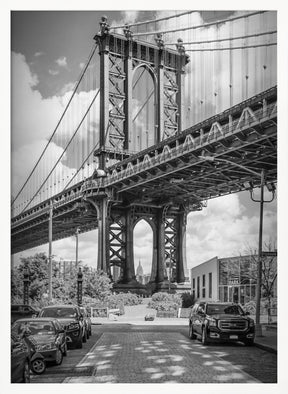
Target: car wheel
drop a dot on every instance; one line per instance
(38, 366)
(204, 337)
(79, 344)
(249, 342)
(59, 357)
(26, 373)
(191, 333)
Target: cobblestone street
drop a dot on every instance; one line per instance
(149, 358)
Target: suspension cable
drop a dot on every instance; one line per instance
(152, 20)
(199, 26)
(62, 154)
(230, 48)
(224, 39)
(56, 128)
(77, 172)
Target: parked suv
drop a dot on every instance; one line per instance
(221, 321)
(71, 319)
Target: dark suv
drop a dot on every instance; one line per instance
(71, 319)
(221, 321)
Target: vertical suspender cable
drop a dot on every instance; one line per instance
(231, 67)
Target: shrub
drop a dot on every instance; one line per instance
(165, 302)
(187, 300)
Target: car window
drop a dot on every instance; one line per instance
(59, 312)
(216, 309)
(34, 327)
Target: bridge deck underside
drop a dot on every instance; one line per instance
(181, 178)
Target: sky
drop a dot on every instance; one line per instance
(48, 50)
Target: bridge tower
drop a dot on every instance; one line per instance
(120, 57)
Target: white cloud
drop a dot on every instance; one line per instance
(61, 61)
(38, 54)
(53, 72)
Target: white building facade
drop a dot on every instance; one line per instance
(232, 279)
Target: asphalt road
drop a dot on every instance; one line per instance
(126, 353)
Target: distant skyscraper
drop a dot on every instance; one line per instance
(139, 273)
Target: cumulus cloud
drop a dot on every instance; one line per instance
(224, 229)
(62, 62)
(38, 54)
(34, 118)
(53, 72)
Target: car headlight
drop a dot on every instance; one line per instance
(45, 346)
(212, 323)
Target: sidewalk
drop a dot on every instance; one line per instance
(268, 341)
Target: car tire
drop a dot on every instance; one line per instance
(79, 344)
(191, 333)
(38, 366)
(204, 337)
(59, 357)
(249, 342)
(26, 372)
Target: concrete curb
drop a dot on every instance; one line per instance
(267, 348)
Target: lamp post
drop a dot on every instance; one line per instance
(258, 328)
(76, 257)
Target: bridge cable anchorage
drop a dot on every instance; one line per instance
(230, 48)
(64, 151)
(60, 120)
(151, 21)
(225, 39)
(199, 26)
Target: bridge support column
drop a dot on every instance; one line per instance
(128, 269)
(103, 247)
(181, 246)
(160, 236)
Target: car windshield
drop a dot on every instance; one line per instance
(217, 309)
(59, 312)
(33, 328)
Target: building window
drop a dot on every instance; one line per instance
(210, 285)
(203, 292)
(198, 286)
(193, 283)
(203, 280)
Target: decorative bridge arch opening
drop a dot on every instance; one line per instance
(143, 236)
(143, 109)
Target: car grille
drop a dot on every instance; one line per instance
(233, 324)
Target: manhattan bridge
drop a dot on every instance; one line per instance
(166, 114)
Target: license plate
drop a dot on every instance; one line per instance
(233, 336)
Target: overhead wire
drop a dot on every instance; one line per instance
(224, 39)
(165, 18)
(199, 26)
(228, 49)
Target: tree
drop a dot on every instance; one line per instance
(96, 284)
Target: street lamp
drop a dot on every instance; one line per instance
(249, 186)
